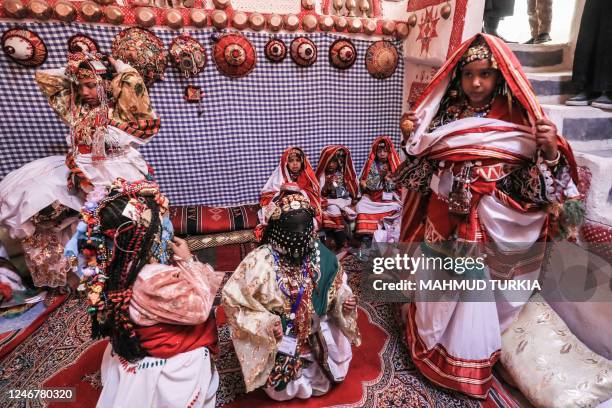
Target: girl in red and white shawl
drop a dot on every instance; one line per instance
(338, 183)
(479, 121)
(294, 170)
(380, 202)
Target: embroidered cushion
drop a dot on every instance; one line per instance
(550, 366)
(201, 219)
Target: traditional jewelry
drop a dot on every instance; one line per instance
(555, 161)
(480, 112)
(130, 225)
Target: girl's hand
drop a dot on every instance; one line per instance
(349, 304)
(181, 249)
(113, 62)
(277, 329)
(411, 116)
(73, 281)
(546, 138)
(408, 123)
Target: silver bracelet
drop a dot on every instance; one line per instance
(553, 163)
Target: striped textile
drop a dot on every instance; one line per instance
(200, 219)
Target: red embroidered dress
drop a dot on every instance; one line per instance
(374, 207)
(337, 208)
(456, 343)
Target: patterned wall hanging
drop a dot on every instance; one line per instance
(24, 47)
(234, 55)
(188, 55)
(82, 43)
(303, 51)
(144, 51)
(381, 59)
(222, 150)
(342, 54)
(275, 50)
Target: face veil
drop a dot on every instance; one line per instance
(292, 234)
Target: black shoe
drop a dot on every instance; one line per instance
(542, 38)
(531, 41)
(603, 102)
(582, 99)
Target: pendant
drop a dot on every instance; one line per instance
(193, 93)
(459, 200)
(460, 197)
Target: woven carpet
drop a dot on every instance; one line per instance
(60, 353)
(9, 340)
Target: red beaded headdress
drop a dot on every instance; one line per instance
(95, 66)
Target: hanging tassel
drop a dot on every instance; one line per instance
(96, 328)
(98, 144)
(574, 212)
(98, 150)
(200, 107)
(508, 94)
(573, 217)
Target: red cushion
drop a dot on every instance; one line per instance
(200, 219)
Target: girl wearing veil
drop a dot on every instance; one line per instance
(484, 165)
(291, 312)
(380, 206)
(339, 191)
(295, 173)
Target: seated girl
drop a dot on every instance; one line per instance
(294, 169)
(157, 316)
(339, 190)
(292, 315)
(379, 209)
(109, 113)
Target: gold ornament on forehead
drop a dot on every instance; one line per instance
(295, 153)
(291, 202)
(478, 52)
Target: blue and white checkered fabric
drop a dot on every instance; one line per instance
(225, 155)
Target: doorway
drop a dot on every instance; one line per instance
(515, 28)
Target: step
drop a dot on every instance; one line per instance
(542, 57)
(553, 87)
(580, 123)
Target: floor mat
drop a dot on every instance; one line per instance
(61, 353)
(9, 340)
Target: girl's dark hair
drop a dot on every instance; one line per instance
(130, 253)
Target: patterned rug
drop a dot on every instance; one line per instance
(9, 340)
(61, 353)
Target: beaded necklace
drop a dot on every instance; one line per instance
(291, 285)
(459, 110)
(472, 112)
(297, 287)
